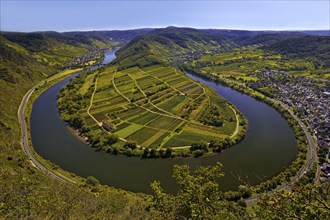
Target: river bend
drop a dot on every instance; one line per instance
(268, 148)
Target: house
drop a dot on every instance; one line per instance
(326, 93)
(108, 126)
(288, 101)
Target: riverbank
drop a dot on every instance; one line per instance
(25, 111)
(26, 106)
(306, 156)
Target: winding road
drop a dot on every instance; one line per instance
(312, 147)
(91, 103)
(25, 140)
(310, 159)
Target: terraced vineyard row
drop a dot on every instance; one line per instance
(157, 107)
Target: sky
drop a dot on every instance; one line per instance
(63, 15)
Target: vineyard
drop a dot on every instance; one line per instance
(156, 107)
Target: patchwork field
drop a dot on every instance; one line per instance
(244, 64)
(156, 107)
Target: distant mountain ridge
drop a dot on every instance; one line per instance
(317, 32)
(243, 37)
(123, 36)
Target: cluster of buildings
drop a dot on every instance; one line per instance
(190, 55)
(89, 56)
(309, 98)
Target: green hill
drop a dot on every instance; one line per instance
(168, 44)
(312, 47)
(244, 38)
(25, 59)
(53, 48)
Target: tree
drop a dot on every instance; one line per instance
(153, 153)
(305, 201)
(92, 181)
(199, 146)
(168, 152)
(111, 139)
(145, 153)
(76, 121)
(198, 196)
(245, 191)
(232, 196)
(216, 145)
(115, 151)
(130, 144)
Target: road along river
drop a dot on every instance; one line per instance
(268, 148)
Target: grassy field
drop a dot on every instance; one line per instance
(154, 107)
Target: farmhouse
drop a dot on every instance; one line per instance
(108, 126)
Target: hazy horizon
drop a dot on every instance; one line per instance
(64, 16)
(140, 28)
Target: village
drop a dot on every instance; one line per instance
(86, 59)
(310, 100)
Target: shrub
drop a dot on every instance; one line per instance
(245, 191)
(197, 153)
(241, 202)
(232, 196)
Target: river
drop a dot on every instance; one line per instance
(267, 149)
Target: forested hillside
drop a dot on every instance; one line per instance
(244, 38)
(316, 48)
(168, 44)
(25, 59)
